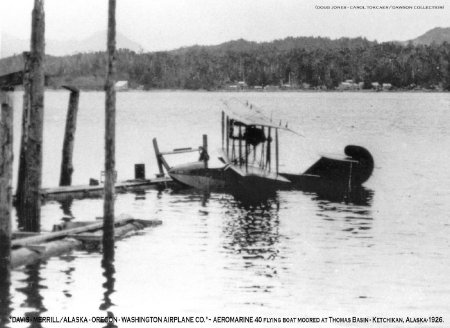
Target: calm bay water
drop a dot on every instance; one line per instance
(294, 254)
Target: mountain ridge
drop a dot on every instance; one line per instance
(11, 45)
(436, 35)
(97, 42)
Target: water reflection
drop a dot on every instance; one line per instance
(352, 208)
(251, 233)
(108, 285)
(108, 272)
(68, 273)
(139, 194)
(5, 296)
(32, 292)
(359, 196)
(66, 206)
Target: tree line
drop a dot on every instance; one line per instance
(305, 62)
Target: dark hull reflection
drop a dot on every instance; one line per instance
(252, 227)
(354, 209)
(251, 235)
(356, 195)
(360, 196)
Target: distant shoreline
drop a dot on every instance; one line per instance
(262, 91)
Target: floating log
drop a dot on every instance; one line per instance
(28, 250)
(123, 219)
(119, 231)
(28, 255)
(23, 234)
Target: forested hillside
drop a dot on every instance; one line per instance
(307, 61)
(437, 35)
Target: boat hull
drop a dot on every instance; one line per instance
(205, 179)
(328, 174)
(225, 178)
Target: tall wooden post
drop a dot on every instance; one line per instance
(110, 132)
(69, 137)
(223, 129)
(240, 145)
(205, 149)
(6, 162)
(227, 135)
(277, 154)
(31, 204)
(269, 150)
(25, 127)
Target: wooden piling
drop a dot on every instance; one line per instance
(69, 137)
(277, 152)
(240, 145)
(205, 149)
(139, 171)
(31, 204)
(23, 141)
(223, 129)
(227, 135)
(110, 131)
(6, 162)
(269, 149)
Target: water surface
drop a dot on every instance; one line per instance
(295, 254)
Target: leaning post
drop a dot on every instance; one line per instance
(31, 205)
(69, 137)
(110, 132)
(6, 162)
(158, 159)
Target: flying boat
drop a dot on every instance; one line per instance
(250, 159)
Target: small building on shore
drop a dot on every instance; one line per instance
(287, 86)
(242, 85)
(387, 86)
(271, 88)
(121, 85)
(236, 86)
(376, 85)
(348, 85)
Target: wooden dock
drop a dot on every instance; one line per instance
(88, 191)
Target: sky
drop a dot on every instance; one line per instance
(169, 24)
